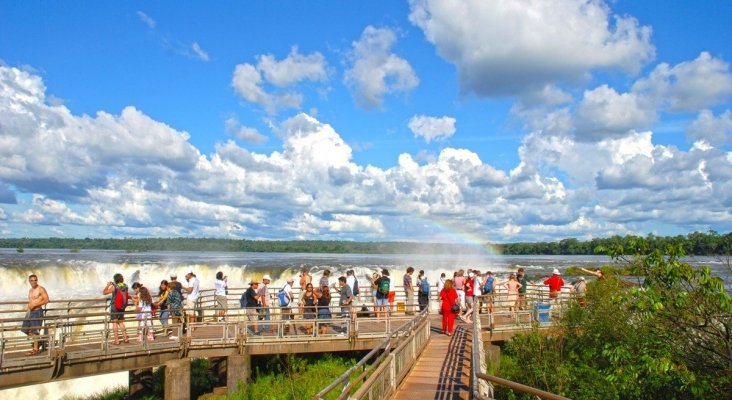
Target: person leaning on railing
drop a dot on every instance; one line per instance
(285, 298)
(251, 302)
(307, 305)
(37, 299)
(555, 283)
(117, 317)
(163, 294)
(220, 291)
(323, 296)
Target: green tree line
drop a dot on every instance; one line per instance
(696, 243)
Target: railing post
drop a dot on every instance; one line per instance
(392, 372)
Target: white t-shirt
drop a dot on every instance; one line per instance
(351, 281)
(220, 287)
(193, 283)
(477, 286)
(440, 284)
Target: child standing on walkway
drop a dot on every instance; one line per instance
(143, 305)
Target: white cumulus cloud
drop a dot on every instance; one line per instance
(233, 127)
(604, 113)
(432, 128)
(688, 86)
(375, 71)
(503, 48)
(249, 80)
(714, 130)
(294, 68)
(129, 175)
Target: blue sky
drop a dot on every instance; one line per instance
(383, 120)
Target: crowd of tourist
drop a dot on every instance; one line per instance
(176, 303)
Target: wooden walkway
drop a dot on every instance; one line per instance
(442, 372)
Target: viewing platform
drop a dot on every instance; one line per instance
(78, 343)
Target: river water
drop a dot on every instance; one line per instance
(67, 275)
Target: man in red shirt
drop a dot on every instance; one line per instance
(555, 283)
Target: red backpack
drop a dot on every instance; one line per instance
(120, 297)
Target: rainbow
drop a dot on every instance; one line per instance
(448, 232)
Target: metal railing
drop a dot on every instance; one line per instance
(479, 389)
(88, 336)
(390, 362)
(482, 384)
(518, 387)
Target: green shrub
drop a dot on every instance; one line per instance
(668, 339)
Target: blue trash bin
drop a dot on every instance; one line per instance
(541, 312)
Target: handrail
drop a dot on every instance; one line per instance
(521, 388)
(385, 347)
(481, 383)
(478, 388)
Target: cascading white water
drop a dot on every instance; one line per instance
(68, 275)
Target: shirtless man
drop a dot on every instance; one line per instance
(305, 278)
(37, 298)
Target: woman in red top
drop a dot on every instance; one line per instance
(469, 293)
(448, 297)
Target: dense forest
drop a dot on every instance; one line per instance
(710, 243)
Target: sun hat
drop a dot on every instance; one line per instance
(267, 278)
(556, 272)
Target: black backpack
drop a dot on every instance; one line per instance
(355, 287)
(243, 300)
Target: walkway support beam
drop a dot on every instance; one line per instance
(178, 379)
(238, 369)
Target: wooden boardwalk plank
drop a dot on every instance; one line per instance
(442, 372)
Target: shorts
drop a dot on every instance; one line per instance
(252, 314)
(117, 316)
(381, 302)
(469, 300)
(324, 313)
(286, 313)
(221, 303)
(190, 307)
(32, 325)
(308, 314)
(392, 296)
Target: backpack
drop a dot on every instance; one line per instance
(120, 297)
(424, 286)
(356, 292)
(283, 297)
(488, 287)
(243, 300)
(384, 286)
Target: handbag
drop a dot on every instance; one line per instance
(455, 308)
